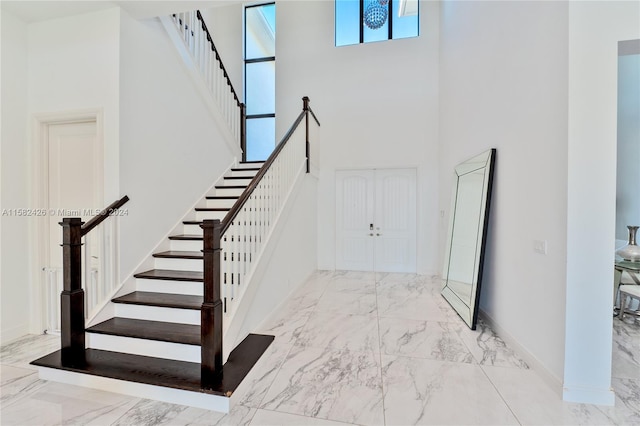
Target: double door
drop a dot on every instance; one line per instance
(376, 220)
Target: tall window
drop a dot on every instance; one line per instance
(363, 21)
(260, 79)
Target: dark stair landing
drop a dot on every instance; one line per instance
(165, 372)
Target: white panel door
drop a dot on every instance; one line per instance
(74, 178)
(376, 220)
(395, 221)
(354, 220)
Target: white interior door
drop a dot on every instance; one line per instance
(376, 220)
(395, 221)
(74, 178)
(354, 220)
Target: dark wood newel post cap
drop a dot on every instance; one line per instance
(305, 103)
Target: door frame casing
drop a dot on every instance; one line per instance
(40, 195)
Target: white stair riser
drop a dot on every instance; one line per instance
(210, 215)
(192, 230)
(177, 264)
(144, 347)
(173, 287)
(229, 191)
(231, 182)
(201, 400)
(222, 203)
(248, 165)
(157, 313)
(244, 173)
(186, 245)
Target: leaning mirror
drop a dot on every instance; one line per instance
(467, 235)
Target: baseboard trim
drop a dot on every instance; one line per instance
(589, 395)
(9, 334)
(553, 381)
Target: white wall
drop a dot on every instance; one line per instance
(378, 105)
(628, 170)
(595, 28)
(503, 84)
(290, 258)
(74, 65)
(14, 192)
(171, 150)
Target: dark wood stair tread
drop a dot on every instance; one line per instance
(231, 186)
(186, 237)
(212, 209)
(238, 177)
(222, 197)
(164, 372)
(164, 300)
(168, 274)
(151, 330)
(252, 162)
(246, 169)
(174, 254)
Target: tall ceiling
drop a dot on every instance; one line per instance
(42, 10)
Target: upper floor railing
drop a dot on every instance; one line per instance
(206, 56)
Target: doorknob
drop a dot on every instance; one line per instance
(371, 227)
(378, 235)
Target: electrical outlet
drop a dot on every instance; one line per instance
(540, 246)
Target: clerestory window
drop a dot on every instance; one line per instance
(364, 21)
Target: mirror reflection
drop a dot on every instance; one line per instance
(467, 235)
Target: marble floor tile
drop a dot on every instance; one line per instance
(488, 348)
(286, 326)
(21, 352)
(348, 303)
(338, 331)
(423, 391)
(275, 418)
(335, 385)
(254, 387)
(56, 403)
(534, 403)
(422, 339)
(350, 285)
(18, 383)
(627, 400)
(238, 416)
(411, 301)
(626, 350)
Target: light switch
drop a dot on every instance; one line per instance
(540, 246)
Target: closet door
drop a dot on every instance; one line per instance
(376, 220)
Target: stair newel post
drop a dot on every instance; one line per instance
(305, 108)
(243, 131)
(72, 296)
(211, 312)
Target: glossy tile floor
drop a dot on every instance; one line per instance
(350, 348)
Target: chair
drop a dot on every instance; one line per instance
(628, 292)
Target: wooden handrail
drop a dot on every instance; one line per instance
(100, 217)
(219, 59)
(231, 215)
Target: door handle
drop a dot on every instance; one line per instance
(377, 235)
(371, 235)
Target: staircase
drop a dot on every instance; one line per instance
(154, 339)
(164, 339)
